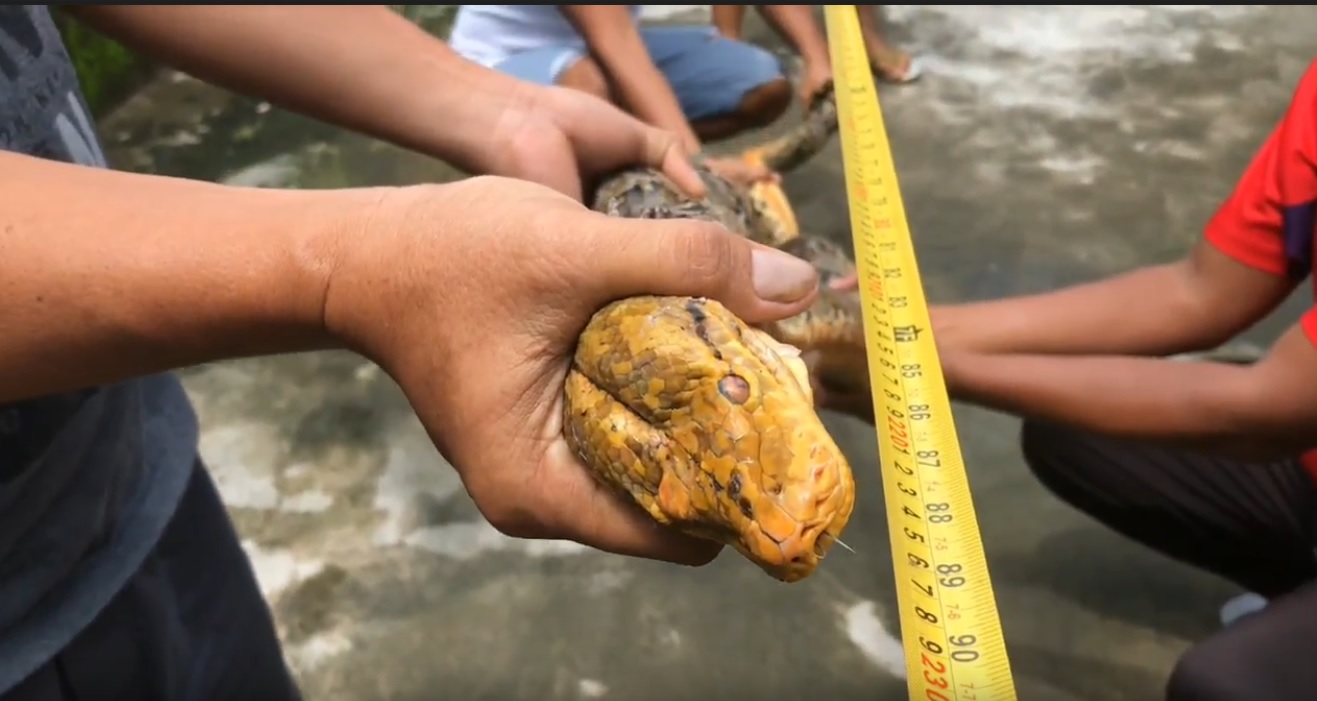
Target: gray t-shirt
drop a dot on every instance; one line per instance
(89, 479)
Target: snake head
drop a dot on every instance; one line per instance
(792, 502)
(709, 425)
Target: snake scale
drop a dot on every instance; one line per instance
(708, 423)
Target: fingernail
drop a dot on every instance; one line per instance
(781, 277)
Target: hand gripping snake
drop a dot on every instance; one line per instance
(704, 421)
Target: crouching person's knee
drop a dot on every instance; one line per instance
(1055, 454)
(765, 103)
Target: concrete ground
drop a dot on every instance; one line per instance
(1045, 145)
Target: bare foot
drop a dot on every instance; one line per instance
(894, 66)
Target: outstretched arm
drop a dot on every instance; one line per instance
(1262, 411)
(1187, 305)
(367, 68)
(1042, 356)
(363, 67)
(107, 275)
(1237, 273)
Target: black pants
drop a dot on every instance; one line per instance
(1250, 523)
(191, 625)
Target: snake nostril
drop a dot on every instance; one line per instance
(818, 473)
(823, 542)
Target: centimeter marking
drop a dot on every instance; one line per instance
(951, 631)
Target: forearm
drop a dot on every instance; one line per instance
(387, 78)
(644, 92)
(639, 85)
(1191, 304)
(797, 26)
(1139, 313)
(108, 275)
(1206, 406)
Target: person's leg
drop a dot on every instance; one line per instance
(888, 62)
(558, 65)
(1265, 657)
(191, 625)
(1250, 523)
(728, 19)
(724, 86)
(227, 623)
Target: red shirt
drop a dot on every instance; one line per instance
(1267, 223)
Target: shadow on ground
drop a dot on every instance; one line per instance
(1046, 145)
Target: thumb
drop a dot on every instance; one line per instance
(663, 151)
(850, 283)
(687, 257)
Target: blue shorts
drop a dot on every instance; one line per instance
(709, 74)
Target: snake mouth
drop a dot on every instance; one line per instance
(794, 556)
(796, 561)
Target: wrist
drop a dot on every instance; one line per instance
(385, 258)
(816, 60)
(307, 232)
(469, 113)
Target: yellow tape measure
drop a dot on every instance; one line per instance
(952, 634)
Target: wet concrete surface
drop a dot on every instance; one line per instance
(1045, 145)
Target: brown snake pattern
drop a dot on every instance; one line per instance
(705, 422)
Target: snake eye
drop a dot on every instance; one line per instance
(734, 388)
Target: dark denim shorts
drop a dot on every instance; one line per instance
(191, 625)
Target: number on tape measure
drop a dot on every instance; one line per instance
(949, 622)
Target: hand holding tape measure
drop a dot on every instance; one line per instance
(950, 628)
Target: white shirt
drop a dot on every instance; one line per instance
(489, 34)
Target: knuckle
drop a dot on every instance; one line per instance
(658, 144)
(703, 254)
